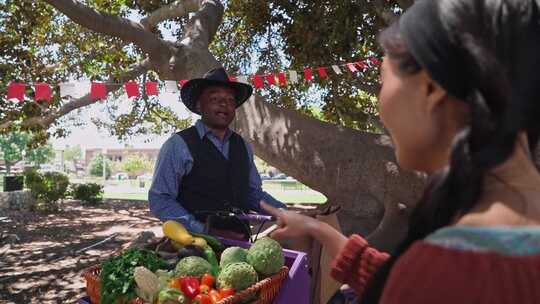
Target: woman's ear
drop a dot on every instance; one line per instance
(435, 94)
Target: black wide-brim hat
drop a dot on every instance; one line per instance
(192, 89)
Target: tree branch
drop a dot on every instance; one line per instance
(383, 12)
(203, 26)
(176, 9)
(122, 28)
(48, 119)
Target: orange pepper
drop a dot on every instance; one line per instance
(175, 283)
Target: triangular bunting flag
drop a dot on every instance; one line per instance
(132, 89)
(258, 81)
(293, 76)
(151, 88)
(243, 79)
(171, 86)
(307, 74)
(322, 72)
(362, 65)
(337, 70)
(351, 67)
(16, 91)
(375, 61)
(98, 90)
(43, 91)
(282, 79)
(271, 79)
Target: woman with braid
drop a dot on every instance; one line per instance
(460, 97)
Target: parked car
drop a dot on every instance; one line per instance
(279, 176)
(265, 176)
(120, 176)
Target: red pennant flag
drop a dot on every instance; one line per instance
(232, 78)
(258, 81)
(183, 82)
(375, 61)
(43, 91)
(132, 89)
(351, 67)
(98, 90)
(151, 88)
(271, 79)
(362, 65)
(307, 74)
(322, 72)
(16, 91)
(282, 79)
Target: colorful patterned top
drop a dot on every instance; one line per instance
(453, 265)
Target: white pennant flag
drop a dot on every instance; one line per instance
(336, 70)
(242, 79)
(76, 89)
(171, 86)
(293, 76)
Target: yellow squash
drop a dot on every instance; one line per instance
(176, 232)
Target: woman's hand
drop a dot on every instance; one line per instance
(291, 225)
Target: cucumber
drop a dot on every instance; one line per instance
(212, 241)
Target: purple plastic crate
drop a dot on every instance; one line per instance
(295, 288)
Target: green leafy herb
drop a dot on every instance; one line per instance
(117, 283)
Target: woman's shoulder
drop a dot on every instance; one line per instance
(469, 265)
(503, 240)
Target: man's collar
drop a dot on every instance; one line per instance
(203, 130)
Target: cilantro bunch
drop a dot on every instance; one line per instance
(117, 283)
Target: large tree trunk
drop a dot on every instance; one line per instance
(354, 169)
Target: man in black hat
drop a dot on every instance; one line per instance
(208, 168)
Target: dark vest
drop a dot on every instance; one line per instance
(214, 183)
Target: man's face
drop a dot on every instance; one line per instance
(217, 106)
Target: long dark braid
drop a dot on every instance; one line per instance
(488, 140)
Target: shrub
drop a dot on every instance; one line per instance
(47, 188)
(91, 193)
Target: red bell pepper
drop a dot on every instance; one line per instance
(190, 286)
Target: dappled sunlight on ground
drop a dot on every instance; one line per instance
(45, 265)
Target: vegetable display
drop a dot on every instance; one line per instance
(197, 275)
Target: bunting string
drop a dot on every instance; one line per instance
(98, 89)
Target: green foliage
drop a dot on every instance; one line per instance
(14, 144)
(117, 274)
(96, 166)
(48, 188)
(91, 193)
(135, 165)
(73, 153)
(39, 43)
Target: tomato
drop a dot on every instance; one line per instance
(202, 299)
(214, 294)
(175, 283)
(204, 289)
(225, 292)
(208, 279)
